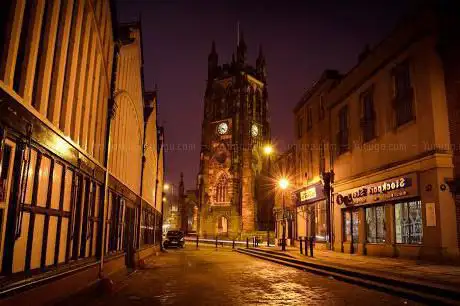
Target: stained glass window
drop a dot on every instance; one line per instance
(375, 224)
(409, 222)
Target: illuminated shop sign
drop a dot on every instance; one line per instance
(308, 194)
(311, 194)
(395, 188)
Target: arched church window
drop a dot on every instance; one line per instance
(221, 189)
(251, 102)
(258, 106)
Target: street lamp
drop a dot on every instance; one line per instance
(166, 187)
(268, 149)
(283, 184)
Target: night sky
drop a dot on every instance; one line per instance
(299, 39)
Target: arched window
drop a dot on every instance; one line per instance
(251, 102)
(221, 189)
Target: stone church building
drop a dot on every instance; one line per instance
(235, 127)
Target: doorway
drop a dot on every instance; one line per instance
(351, 228)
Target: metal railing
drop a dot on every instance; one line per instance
(249, 242)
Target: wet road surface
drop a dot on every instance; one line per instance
(222, 277)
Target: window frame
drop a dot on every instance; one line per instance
(403, 100)
(343, 113)
(407, 201)
(368, 117)
(378, 240)
(299, 126)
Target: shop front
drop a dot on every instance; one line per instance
(311, 215)
(381, 218)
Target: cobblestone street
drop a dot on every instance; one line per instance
(223, 277)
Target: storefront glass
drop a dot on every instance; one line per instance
(408, 222)
(320, 221)
(375, 224)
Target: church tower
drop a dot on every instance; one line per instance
(235, 127)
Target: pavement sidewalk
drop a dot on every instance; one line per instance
(447, 275)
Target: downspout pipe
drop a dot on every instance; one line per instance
(110, 115)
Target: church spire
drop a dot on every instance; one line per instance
(241, 49)
(213, 60)
(260, 64)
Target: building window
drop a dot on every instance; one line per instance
(342, 136)
(221, 189)
(322, 159)
(368, 118)
(320, 221)
(375, 224)
(322, 110)
(403, 94)
(408, 221)
(299, 127)
(309, 118)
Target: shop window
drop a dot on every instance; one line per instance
(117, 214)
(148, 226)
(320, 221)
(408, 222)
(375, 224)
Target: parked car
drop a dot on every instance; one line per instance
(174, 239)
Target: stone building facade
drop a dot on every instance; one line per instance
(284, 210)
(235, 126)
(392, 143)
(71, 85)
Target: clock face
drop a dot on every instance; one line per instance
(254, 130)
(222, 128)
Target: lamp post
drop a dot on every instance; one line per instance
(283, 184)
(268, 151)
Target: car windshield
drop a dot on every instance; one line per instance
(174, 233)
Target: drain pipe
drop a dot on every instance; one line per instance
(110, 115)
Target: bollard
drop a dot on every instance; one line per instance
(216, 242)
(306, 246)
(301, 247)
(268, 238)
(233, 244)
(197, 241)
(311, 246)
(247, 242)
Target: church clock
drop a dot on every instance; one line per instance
(254, 130)
(222, 128)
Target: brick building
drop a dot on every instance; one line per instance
(73, 113)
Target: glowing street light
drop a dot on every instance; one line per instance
(268, 149)
(164, 199)
(283, 183)
(166, 186)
